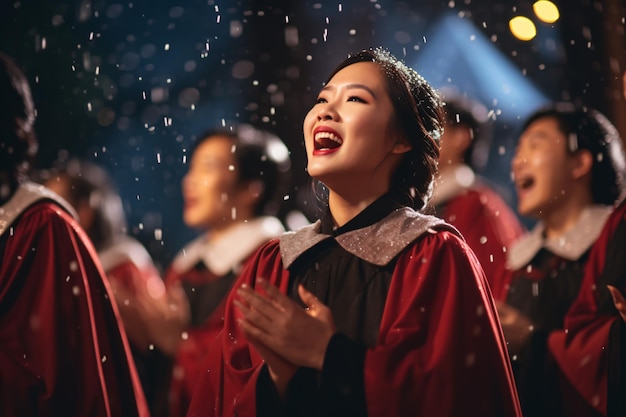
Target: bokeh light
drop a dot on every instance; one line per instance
(522, 28)
(129, 85)
(546, 11)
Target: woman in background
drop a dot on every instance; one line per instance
(235, 183)
(468, 201)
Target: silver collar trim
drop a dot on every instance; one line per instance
(26, 195)
(231, 248)
(571, 245)
(378, 243)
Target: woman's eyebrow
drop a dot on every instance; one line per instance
(352, 86)
(539, 135)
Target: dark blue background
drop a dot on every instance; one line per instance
(113, 81)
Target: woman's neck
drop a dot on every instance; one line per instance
(344, 208)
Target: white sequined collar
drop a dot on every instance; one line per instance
(230, 249)
(378, 243)
(571, 245)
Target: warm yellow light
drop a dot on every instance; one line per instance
(522, 28)
(546, 11)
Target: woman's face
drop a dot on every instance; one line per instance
(210, 185)
(542, 168)
(348, 133)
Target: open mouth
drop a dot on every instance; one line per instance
(325, 141)
(525, 183)
(189, 202)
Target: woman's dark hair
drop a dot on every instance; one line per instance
(90, 184)
(18, 143)
(588, 129)
(418, 117)
(259, 156)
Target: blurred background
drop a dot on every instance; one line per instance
(127, 84)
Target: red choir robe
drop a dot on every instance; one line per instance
(207, 271)
(545, 279)
(128, 265)
(439, 350)
(488, 224)
(587, 351)
(63, 350)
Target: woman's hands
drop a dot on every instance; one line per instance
(618, 298)
(285, 335)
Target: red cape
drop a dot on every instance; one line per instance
(63, 351)
(489, 227)
(132, 277)
(440, 350)
(189, 356)
(581, 350)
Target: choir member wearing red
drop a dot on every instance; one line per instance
(468, 201)
(235, 183)
(63, 350)
(590, 349)
(568, 173)
(376, 309)
(126, 262)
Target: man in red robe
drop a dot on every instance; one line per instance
(590, 350)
